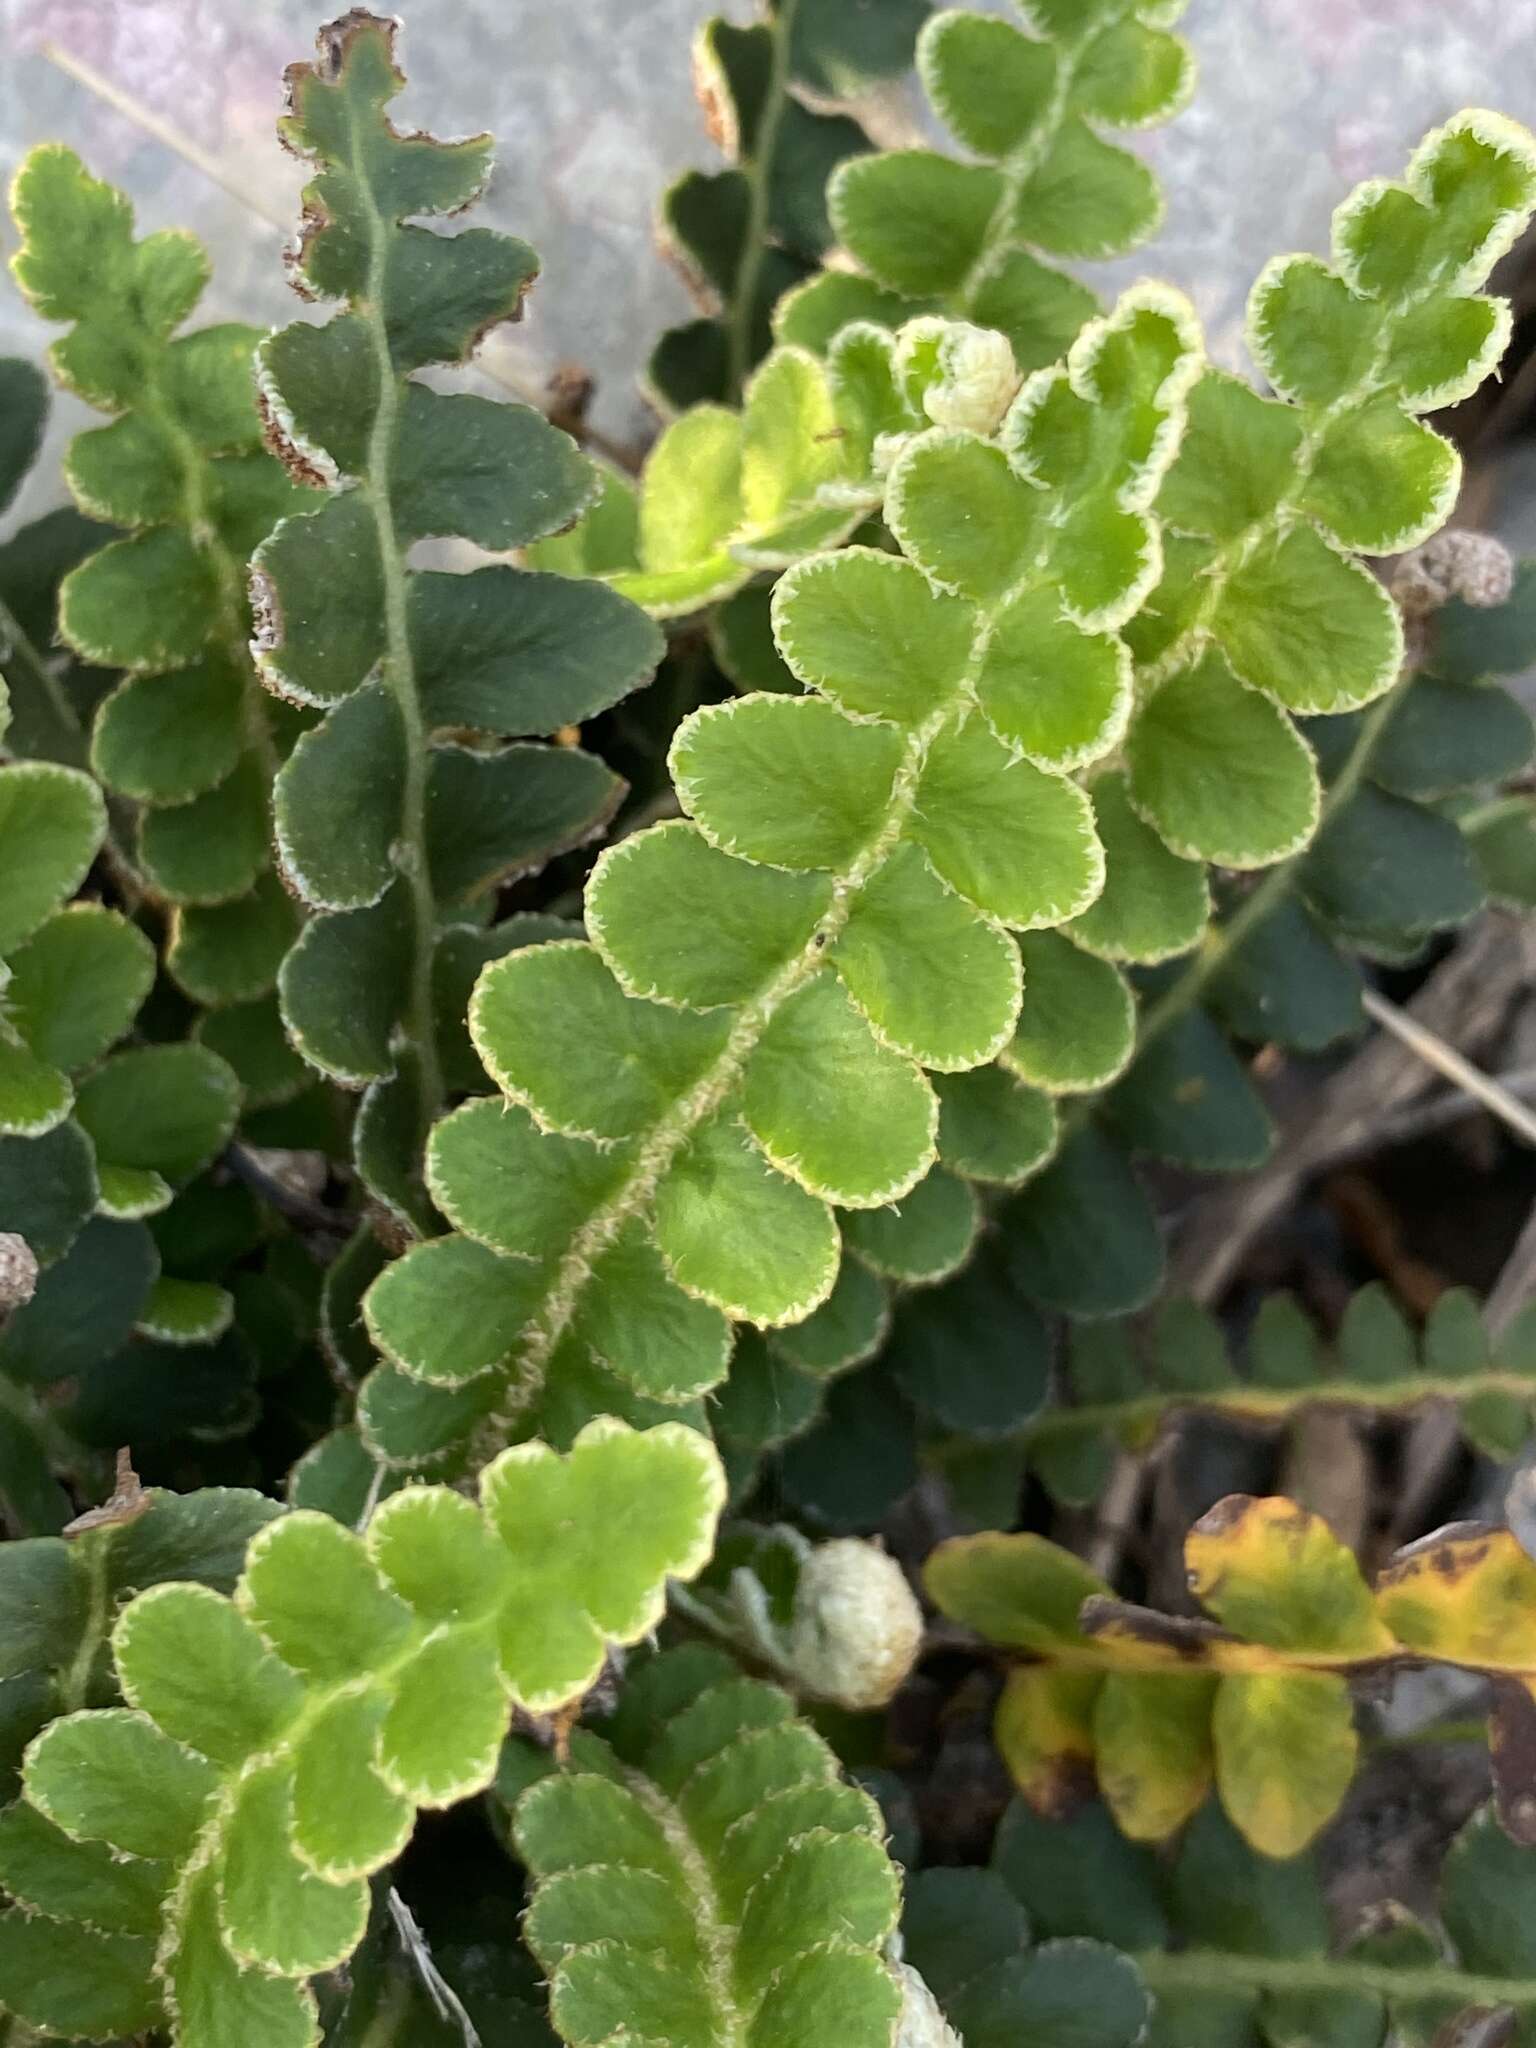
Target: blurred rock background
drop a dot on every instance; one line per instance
(593, 113)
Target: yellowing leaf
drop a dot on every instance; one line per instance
(1469, 1597)
(1044, 1730)
(1152, 1749)
(1285, 1749)
(1275, 1573)
(1018, 1590)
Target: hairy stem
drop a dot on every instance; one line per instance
(666, 1141)
(714, 1928)
(1020, 166)
(1215, 1970)
(741, 1631)
(759, 172)
(659, 1150)
(399, 665)
(1249, 1403)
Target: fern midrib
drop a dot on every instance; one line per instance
(319, 1695)
(399, 665)
(715, 1933)
(1020, 165)
(1252, 1403)
(1217, 1657)
(759, 175)
(1202, 1969)
(75, 1681)
(658, 1153)
(666, 1141)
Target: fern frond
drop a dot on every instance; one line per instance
(402, 806)
(744, 236)
(704, 1875)
(276, 1746)
(767, 980)
(968, 238)
(182, 472)
(1221, 1931)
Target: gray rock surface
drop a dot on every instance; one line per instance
(593, 111)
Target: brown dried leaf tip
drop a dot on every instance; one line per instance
(127, 1502)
